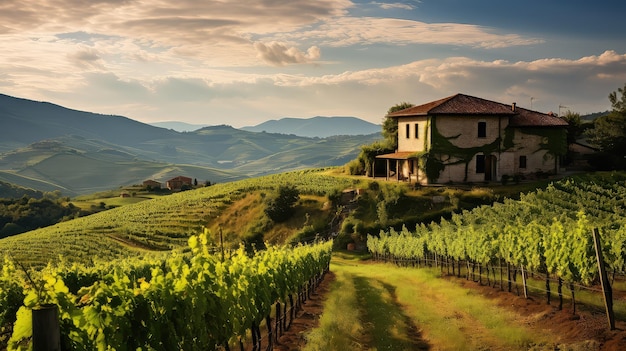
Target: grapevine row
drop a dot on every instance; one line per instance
(182, 302)
(548, 230)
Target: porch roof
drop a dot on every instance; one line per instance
(404, 155)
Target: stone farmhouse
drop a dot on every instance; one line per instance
(462, 138)
(177, 183)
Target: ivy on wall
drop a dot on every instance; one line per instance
(432, 162)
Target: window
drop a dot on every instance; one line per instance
(417, 131)
(408, 130)
(480, 163)
(522, 162)
(482, 129)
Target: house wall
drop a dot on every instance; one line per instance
(462, 132)
(466, 128)
(537, 159)
(413, 143)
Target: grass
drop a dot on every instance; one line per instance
(374, 306)
(340, 327)
(166, 222)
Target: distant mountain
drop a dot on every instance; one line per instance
(317, 127)
(592, 116)
(48, 147)
(179, 126)
(27, 121)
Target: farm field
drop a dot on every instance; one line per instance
(540, 237)
(156, 225)
(378, 306)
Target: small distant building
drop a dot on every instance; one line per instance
(151, 184)
(177, 183)
(124, 194)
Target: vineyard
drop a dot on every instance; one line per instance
(136, 277)
(547, 232)
(199, 301)
(155, 225)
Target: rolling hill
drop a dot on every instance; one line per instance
(48, 147)
(317, 127)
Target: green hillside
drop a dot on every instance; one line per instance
(47, 147)
(76, 165)
(95, 151)
(8, 191)
(236, 209)
(159, 224)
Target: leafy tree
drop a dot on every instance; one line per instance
(609, 132)
(363, 163)
(281, 207)
(24, 214)
(575, 128)
(390, 125)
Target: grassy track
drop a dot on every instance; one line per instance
(382, 307)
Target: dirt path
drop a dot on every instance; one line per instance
(307, 318)
(382, 306)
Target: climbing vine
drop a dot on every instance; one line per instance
(432, 162)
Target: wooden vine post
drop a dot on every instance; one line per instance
(604, 279)
(524, 281)
(46, 329)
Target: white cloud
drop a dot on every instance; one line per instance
(204, 60)
(345, 31)
(87, 58)
(281, 54)
(581, 84)
(395, 5)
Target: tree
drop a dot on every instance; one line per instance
(574, 130)
(363, 163)
(281, 207)
(390, 125)
(609, 135)
(609, 132)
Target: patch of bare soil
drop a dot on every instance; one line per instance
(587, 330)
(306, 319)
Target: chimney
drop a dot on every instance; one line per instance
(513, 106)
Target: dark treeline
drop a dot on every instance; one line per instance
(27, 213)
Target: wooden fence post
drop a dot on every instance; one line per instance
(46, 329)
(604, 279)
(524, 282)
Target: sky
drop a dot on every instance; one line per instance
(243, 62)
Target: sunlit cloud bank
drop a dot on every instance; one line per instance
(242, 62)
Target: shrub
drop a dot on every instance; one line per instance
(280, 207)
(347, 227)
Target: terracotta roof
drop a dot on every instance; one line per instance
(528, 118)
(456, 104)
(461, 104)
(404, 155)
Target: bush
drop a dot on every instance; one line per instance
(347, 227)
(307, 234)
(355, 167)
(281, 207)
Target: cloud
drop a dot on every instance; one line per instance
(280, 54)
(211, 31)
(346, 31)
(396, 5)
(87, 58)
(217, 97)
(582, 84)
